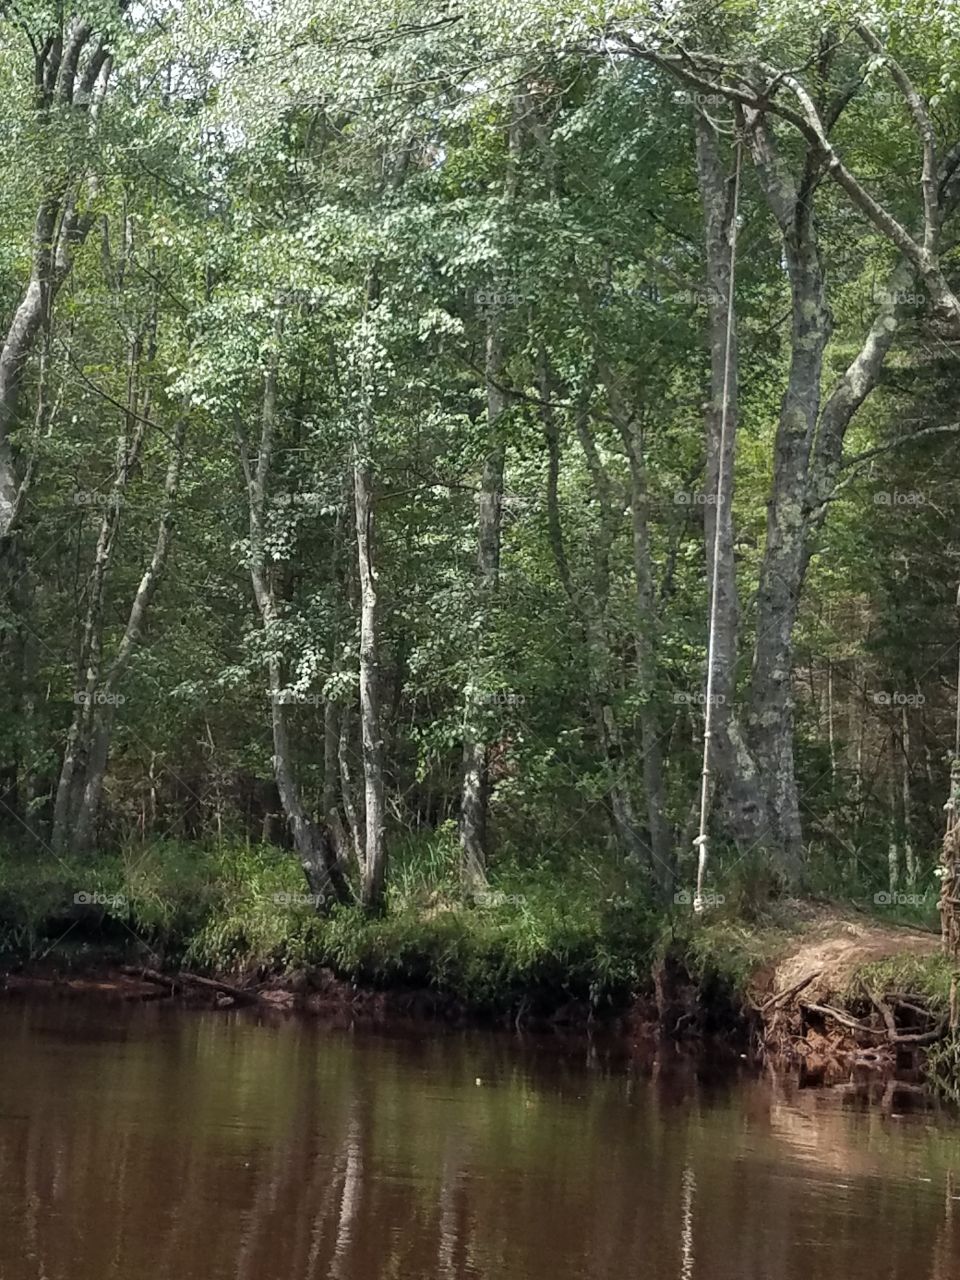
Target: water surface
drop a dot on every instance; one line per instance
(140, 1143)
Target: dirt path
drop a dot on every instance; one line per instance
(833, 946)
(810, 1013)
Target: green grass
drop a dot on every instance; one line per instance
(556, 929)
(926, 977)
(942, 1069)
(538, 941)
(726, 948)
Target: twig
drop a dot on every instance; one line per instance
(886, 1013)
(923, 1037)
(844, 1019)
(781, 997)
(903, 1003)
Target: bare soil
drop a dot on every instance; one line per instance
(809, 1016)
(833, 946)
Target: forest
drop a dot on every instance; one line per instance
(425, 425)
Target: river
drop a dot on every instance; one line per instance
(147, 1142)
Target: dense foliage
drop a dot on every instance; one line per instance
(361, 431)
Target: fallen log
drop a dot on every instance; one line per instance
(242, 995)
(902, 1003)
(924, 1037)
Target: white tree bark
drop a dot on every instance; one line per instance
(474, 793)
(375, 853)
(312, 842)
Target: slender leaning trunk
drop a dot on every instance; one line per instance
(662, 849)
(105, 710)
(474, 794)
(662, 853)
(78, 749)
(330, 802)
(744, 804)
(807, 458)
(375, 854)
(590, 608)
(770, 718)
(71, 74)
(345, 753)
(311, 840)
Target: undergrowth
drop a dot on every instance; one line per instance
(925, 979)
(241, 910)
(551, 930)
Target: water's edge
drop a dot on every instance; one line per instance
(679, 1021)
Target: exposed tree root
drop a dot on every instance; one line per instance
(834, 1027)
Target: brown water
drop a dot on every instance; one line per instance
(145, 1143)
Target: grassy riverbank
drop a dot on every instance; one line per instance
(241, 911)
(574, 944)
(582, 942)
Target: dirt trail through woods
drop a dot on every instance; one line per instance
(810, 1017)
(833, 946)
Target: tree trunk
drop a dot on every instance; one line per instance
(807, 460)
(79, 743)
(896, 815)
(350, 808)
(662, 854)
(770, 717)
(594, 616)
(375, 855)
(590, 610)
(330, 801)
(474, 794)
(67, 72)
(744, 801)
(335, 712)
(311, 842)
(906, 799)
(132, 636)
